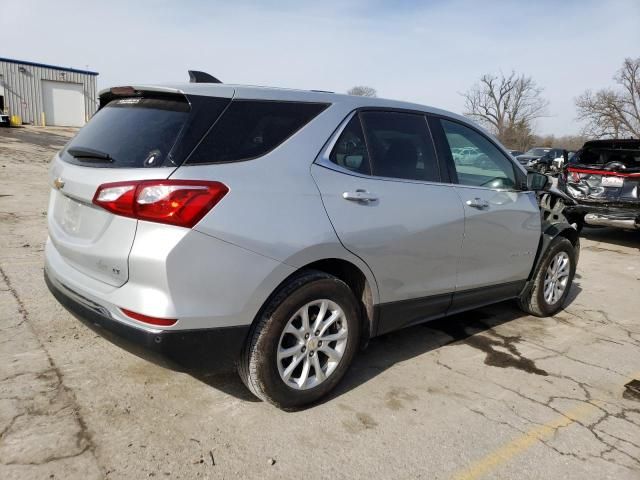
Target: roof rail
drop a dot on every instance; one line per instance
(195, 76)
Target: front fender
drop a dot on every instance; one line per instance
(554, 224)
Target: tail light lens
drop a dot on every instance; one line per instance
(175, 202)
(573, 175)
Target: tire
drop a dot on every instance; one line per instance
(263, 371)
(533, 301)
(574, 218)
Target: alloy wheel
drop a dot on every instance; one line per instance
(556, 278)
(312, 344)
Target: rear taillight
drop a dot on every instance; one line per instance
(176, 202)
(573, 175)
(163, 322)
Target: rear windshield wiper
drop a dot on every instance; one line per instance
(90, 154)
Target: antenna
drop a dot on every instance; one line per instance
(195, 76)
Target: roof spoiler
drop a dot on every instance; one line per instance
(196, 76)
(109, 94)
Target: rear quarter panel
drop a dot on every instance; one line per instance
(273, 206)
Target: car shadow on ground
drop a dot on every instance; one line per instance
(393, 348)
(616, 236)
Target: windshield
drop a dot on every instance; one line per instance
(538, 152)
(132, 132)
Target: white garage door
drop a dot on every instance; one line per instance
(63, 103)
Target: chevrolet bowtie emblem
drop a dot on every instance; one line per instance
(58, 183)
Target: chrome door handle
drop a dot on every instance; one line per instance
(478, 203)
(360, 196)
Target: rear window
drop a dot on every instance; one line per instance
(252, 128)
(130, 133)
(626, 158)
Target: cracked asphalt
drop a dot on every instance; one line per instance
(491, 393)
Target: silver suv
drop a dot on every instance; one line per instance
(278, 230)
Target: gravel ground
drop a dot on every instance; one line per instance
(491, 393)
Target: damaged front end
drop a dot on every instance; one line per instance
(556, 221)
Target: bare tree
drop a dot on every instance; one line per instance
(362, 91)
(613, 112)
(507, 105)
(519, 136)
(570, 142)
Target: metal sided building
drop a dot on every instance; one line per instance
(40, 94)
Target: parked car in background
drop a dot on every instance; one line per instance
(552, 161)
(515, 153)
(278, 230)
(465, 155)
(530, 158)
(5, 120)
(604, 179)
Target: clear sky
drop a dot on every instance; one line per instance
(426, 52)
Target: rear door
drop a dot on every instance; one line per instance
(380, 184)
(137, 137)
(502, 222)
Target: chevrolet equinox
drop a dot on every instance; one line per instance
(276, 231)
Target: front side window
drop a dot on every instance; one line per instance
(251, 128)
(350, 151)
(400, 146)
(484, 165)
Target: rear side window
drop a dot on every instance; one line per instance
(400, 146)
(252, 128)
(350, 151)
(129, 133)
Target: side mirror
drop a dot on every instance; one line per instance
(537, 181)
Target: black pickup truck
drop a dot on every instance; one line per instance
(604, 179)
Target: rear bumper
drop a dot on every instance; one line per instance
(616, 221)
(609, 216)
(210, 350)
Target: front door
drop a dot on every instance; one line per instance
(502, 222)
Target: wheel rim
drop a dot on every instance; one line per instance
(312, 344)
(556, 278)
